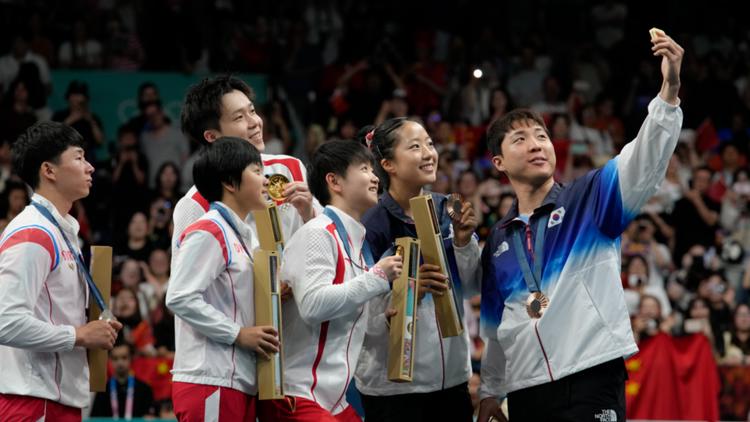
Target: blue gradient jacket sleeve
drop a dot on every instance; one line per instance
(627, 181)
(491, 311)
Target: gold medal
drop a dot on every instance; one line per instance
(536, 304)
(276, 185)
(455, 204)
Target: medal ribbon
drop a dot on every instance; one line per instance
(128, 400)
(533, 279)
(228, 218)
(366, 252)
(79, 261)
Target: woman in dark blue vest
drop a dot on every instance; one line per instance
(407, 162)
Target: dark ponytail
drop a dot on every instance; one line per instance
(381, 140)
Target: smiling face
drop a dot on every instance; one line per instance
(360, 186)
(527, 154)
(239, 119)
(251, 193)
(415, 158)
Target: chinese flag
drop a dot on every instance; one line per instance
(673, 378)
(155, 372)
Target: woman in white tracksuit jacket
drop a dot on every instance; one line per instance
(211, 291)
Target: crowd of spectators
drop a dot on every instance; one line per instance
(335, 66)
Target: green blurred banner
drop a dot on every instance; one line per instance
(113, 94)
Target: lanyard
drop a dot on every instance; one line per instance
(366, 252)
(533, 279)
(106, 313)
(128, 401)
(228, 218)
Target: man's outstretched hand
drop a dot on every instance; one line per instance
(671, 61)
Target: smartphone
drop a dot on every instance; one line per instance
(693, 326)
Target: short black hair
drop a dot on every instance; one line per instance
(121, 341)
(334, 157)
(44, 141)
(201, 110)
(223, 161)
(500, 127)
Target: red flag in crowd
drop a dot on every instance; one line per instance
(706, 136)
(155, 373)
(673, 378)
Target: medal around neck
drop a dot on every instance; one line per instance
(536, 304)
(276, 185)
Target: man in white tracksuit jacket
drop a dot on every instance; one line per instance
(223, 106)
(43, 298)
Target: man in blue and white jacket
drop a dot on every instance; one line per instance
(553, 312)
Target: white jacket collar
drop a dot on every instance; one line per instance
(68, 224)
(238, 222)
(354, 229)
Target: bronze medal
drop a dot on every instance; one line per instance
(276, 185)
(536, 304)
(399, 251)
(455, 204)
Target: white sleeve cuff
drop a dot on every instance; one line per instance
(70, 342)
(234, 331)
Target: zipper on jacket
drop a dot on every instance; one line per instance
(544, 352)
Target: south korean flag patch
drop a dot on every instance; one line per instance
(556, 217)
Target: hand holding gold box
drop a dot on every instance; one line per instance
(268, 312)
(447, 306)
(101, 273)
(403, 327)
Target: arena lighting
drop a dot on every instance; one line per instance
(477, 73)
